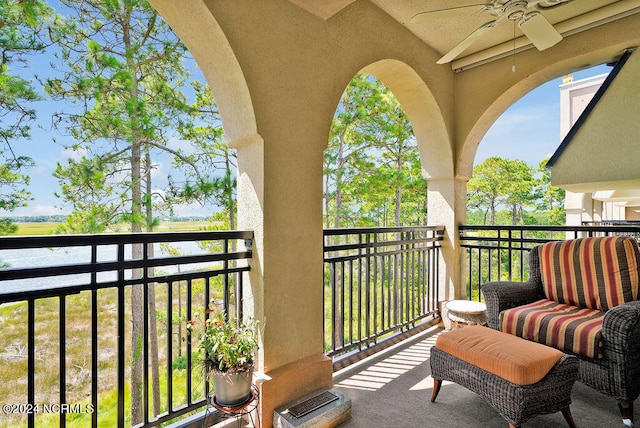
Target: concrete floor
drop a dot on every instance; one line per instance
(393, 389)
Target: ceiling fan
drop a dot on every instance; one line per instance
(526, 14)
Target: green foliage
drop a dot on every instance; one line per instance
(229, 345)
(93, 220)
(551, 198)
(7, 226)
(179, 363)
(213, 180)
(13, 182)
(123, 66)
(21, 25)
(513, 184)
(372, 167)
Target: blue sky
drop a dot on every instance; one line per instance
(47, 147)
(529, 130)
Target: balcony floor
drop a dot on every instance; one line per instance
(393, 389)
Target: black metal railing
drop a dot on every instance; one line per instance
(616, 223)
(67, 319)
(502, 252)
(377, 282)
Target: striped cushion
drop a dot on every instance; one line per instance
(567, 328)
(594, 273)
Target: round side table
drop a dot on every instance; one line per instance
(466, 312)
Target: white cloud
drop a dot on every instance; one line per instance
(158, 171)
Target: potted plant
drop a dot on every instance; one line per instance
(229, 348)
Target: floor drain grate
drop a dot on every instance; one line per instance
(312, 404)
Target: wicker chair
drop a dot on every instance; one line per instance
(616, 368)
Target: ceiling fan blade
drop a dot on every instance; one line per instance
(468, 41)
(540, 31)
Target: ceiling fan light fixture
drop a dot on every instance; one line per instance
(539, 31)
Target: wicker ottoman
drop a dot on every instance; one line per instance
(518, 378)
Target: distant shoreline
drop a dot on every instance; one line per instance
(28, 228)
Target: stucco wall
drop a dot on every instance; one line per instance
(603, 153)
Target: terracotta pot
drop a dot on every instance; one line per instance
(232, 389)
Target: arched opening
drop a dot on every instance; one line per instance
(510, 182)
(128, 105)
(372, 172)
(375, 181)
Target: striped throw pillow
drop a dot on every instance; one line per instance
(594, 273)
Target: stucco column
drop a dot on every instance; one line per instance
(447, 206)
(250, 199)
(286, 290)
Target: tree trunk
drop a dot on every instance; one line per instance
(339, 170)
(137, 291)
(151, 297)
(492, 213)
(137, 300)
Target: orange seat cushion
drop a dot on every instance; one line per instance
(516, 360)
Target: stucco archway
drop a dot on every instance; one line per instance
(200, 32)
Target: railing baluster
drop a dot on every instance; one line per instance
(374, 316)
(489, 255)
(31, 358)
(170, 345)
(334, 309)
(121, 339)
(341, 309)
(62, 328)
(206, 300)
(94, 356)
(145, 335)
(189, 313)
(351, 319)
(385, 296)
(361, 260)
(94, 339)
(225, 279)
(239, 294)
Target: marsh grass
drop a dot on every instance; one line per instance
(77, 341)
(47, 228)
